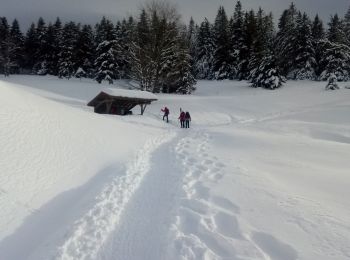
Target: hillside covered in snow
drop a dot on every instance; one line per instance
(259, 175)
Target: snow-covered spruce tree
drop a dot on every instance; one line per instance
(335, 53)
(191, 38)
(204, 52)
(10, 47)
(106, 62)
(67, 56)
(304, 50)
(332, 83)
(263, 41)
(346, 26)
(179, 77)
(85, 48)
(250, 36)
(221, 66)
(5, 46)
(53, 42)
(163, 50)
(264, 34)
(124, 33)
(335, 60)
(107, 52)
(317, 29)
(41, 53)
(141, 64)
(167, 59)
(17, 41)
(318, 35)
(267, 74)
(156, 51)
(285, 40)
(336, 30)
(238, 46)
(30, 46)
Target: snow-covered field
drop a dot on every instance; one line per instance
(259, 175)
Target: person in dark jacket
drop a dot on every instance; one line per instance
(187, 119)
(166, 114)
(182, 118)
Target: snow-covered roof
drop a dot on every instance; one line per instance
(129, 93)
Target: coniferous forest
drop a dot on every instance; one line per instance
(164, 55)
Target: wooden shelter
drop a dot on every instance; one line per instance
(121, 101)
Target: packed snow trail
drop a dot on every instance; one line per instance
(92, 230)
(172, 215)
(143, 231)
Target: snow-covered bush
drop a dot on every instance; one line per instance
(266, 74)
(332, 83)
(80, 73)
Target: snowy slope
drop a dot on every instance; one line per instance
(259, 175)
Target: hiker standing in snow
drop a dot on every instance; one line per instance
(182, 118)
(187, 119)
(166, 114)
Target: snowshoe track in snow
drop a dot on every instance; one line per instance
(91, 232)
(207, 226)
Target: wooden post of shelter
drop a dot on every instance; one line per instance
(143, 108)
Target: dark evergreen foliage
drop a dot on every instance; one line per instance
(53, 41)
(304, 50)
(335, 32)
(204, 50)
(30, 46)
(267, 74)
(6, 47)
(238, 46)
(317, 30)
(17, 42)
(43, 49)
(335, 60)
(163, 55)
(85, 53)
(221, 66)
(107, 52)
(67, 63)
(286, 40)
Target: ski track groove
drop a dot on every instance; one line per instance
(91, 231)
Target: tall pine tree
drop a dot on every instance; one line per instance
(107, 51)
(67, 64)
(238, 46)
(221, 39)
(204, 52)
(286, 40)
(305, 61)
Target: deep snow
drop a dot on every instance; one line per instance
(259, 175)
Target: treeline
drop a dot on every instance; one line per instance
(164, 55)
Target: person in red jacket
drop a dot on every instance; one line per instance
(182, 118)
(166, 114)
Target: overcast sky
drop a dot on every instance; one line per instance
(91, 11)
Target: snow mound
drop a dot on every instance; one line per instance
(48, 147)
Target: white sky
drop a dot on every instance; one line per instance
(90, 11)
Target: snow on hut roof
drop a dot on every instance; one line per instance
(129, 93)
